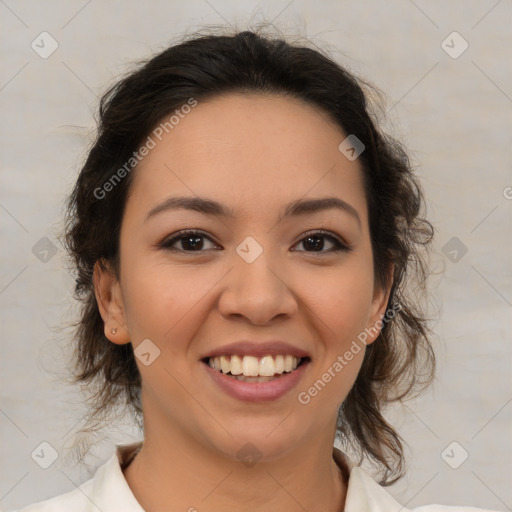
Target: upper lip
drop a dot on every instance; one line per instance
(257, 349)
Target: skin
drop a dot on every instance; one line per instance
(254, 154)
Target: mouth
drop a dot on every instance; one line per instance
(252, 379)
(255, 369)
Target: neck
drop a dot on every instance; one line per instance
(176, 476)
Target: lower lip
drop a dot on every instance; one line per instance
(257, 391)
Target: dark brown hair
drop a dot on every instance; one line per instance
(203, 66)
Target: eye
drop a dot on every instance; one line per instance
(190, 241)
(312, 240)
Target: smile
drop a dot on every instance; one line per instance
(251, 366)
(256, 379)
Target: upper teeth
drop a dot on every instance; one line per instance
(251, 366)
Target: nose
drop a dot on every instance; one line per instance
(258, 291)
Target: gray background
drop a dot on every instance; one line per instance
(454, 115)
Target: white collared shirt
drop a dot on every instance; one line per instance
(108, 491)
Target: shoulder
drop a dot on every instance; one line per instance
(75, 500)
(107, 491)
(364, 493)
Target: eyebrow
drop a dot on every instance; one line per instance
(211, 207)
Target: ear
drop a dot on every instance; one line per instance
(378, 308)
(107, 290)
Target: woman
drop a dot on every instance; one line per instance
(243, 233)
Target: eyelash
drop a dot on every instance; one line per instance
(169, 242)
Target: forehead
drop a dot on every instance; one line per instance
(246, 150)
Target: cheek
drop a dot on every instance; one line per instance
(340, 316)
(342, 300)
(160, 298)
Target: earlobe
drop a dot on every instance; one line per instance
(109, 299)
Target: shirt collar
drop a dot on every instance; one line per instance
(111, 491)
(364, 494)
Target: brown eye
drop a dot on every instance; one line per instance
(316, 242)
(191, 241)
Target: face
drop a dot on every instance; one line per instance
(259, 274)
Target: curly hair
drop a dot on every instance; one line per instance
(203, 66)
